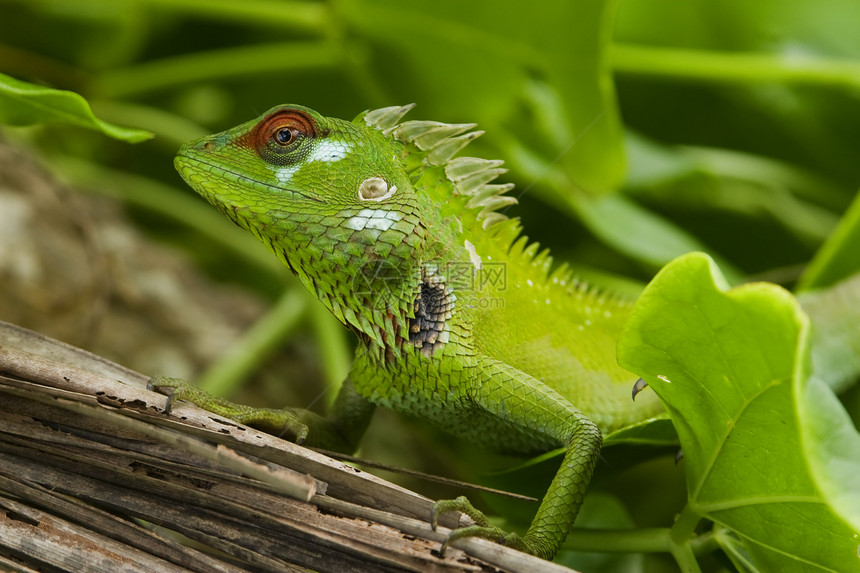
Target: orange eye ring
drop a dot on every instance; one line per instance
(283, 130)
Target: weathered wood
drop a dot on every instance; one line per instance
(34, 532)
(94, 475)
(107, 524)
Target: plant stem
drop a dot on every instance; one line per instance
(257, 344)
(333, 346)
(679, 541)
(283, 14)
(218, 64)
(651, 540)
(723, 67)
(682, 535)
(683, 555)
(685, 525)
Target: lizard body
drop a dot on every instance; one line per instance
(460, 320)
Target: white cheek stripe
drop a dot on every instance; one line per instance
(381, 224)
(325, 150)
(379, 214)
(356, 223)
(372, 219)
(285, 174)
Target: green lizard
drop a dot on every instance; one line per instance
(459, 319)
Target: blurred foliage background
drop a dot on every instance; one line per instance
(635, 130)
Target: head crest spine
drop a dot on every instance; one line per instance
(440, 142)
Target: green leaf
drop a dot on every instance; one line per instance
(762, 59)
(615, 219)
(692, 179)
(837, 258)
(657, 431)
(769, 451)
(23, 103)
(835, 338)
(636, 231)
(492, 55)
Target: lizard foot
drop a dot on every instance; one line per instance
(274, 421)
(483, 527)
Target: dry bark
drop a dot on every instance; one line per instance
(95, 476)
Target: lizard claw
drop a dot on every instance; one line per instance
(639, 386)
(174, 388)
(461, 504)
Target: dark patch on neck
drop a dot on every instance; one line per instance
(433, 307)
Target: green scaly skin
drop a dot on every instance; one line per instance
(459, 319)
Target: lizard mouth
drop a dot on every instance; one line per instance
(233, 176)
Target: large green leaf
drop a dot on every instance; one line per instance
(477, 61)
(769, 451)
(23, 103)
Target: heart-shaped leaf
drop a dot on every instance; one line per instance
(769, 452)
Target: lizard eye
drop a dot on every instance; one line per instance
(286, 135)
(280, 137)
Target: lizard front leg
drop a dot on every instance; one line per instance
(340, 430)
(516, 398)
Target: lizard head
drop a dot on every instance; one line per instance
(331, 198)
(294, 160)
(365, 213)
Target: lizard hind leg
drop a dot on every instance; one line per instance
(514, 398)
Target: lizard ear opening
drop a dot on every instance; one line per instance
(375, 189)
